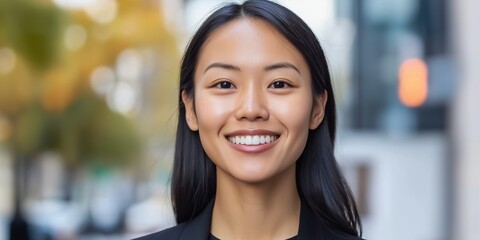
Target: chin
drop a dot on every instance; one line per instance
(256, 179)
(254, 176)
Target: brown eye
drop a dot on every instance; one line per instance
(279, 84)
(224, 85)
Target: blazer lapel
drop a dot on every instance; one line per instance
(199, 227)
(310, 227)
(313, 227)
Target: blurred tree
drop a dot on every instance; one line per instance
(32, 28)
(86, 131)
(36, 96)
(46, 97)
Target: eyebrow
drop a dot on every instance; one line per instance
(267, 68)
(222, 65)
(282, 65)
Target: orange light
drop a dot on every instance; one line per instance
(413, 82)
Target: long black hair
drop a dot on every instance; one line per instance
(320, 183)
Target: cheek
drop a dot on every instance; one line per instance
(211, 112)
(296, 119)
(295, 112)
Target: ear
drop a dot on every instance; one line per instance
(318, 111)
(190, 115)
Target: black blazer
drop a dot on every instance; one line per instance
(311, 227)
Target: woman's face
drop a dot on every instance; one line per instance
(253, 101)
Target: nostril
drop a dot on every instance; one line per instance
(251, 103)
(252, 115)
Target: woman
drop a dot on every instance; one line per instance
(254, 148)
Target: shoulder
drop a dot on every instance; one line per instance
(314, 226)
(172, 233)
(197, 228)
(341, 236)
(332, 233)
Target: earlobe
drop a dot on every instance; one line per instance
(318, 111)
(190, 115)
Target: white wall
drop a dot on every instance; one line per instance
(466, 118)
(406, 197)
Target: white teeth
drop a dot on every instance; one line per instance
(252, 140)
(248, 140)
(256, 140)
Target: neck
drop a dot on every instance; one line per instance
(267, 210)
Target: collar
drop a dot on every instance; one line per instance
(199, 227)
(311, 226)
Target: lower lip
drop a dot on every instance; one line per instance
(253, 148)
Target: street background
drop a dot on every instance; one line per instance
(88, 93)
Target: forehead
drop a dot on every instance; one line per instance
(249, 42)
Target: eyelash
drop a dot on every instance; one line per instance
(229, 85)
(219, 85)
(284, 83)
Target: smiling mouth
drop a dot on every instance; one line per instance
(252, 140)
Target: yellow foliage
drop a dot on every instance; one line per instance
(17, 89)
(58, 89)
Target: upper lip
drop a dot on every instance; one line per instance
(252, 132)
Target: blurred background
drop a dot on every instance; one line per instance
(88, 93)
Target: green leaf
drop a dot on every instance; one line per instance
(34, 30)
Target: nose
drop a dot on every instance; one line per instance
(251, 104)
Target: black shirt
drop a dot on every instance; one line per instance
(215, 238)
(311, 227)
